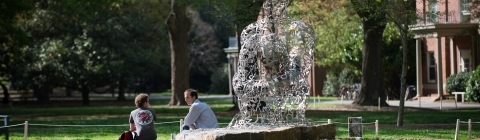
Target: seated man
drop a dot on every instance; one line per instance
(200, 114)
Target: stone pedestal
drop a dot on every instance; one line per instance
(313, 132)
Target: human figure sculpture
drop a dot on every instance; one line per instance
(275, 59)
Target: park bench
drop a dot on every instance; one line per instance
(459, 93)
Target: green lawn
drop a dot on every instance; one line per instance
(106, 123)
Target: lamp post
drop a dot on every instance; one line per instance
(232, 56)
(230, 74)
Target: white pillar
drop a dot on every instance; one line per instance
(439, 69)
(419, 67)
(452, 56)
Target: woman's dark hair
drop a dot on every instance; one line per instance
(192, 93)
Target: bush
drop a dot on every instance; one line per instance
(457, 82)
(219, 80)
(346, 77)
(473, 86)
(335, 81)
(331, 85)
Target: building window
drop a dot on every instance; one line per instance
(432, 11)
(465, 8)
(465, 57)
(431, 67)
(466, 62)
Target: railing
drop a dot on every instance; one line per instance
(429, 18)
(457, 129)
(6, 119)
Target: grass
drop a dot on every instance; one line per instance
(417, 125)
(107, 122)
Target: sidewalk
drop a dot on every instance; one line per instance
(444, 105)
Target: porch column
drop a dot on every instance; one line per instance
(452, 57)
(439, 67)
(418, 55)
(475, 46)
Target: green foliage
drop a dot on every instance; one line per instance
(12, 37)
(473, 86)
(338, 31)
(100, 41)
(331, 86)
(335, 81)
(339, 40)
(457, 82)
(393, 58)
(347, 77)
(232, 14)
(219, 78)
(205, 52)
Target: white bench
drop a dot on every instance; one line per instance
(459, 93)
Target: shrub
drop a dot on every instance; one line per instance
(331, 85)
(219, 80)
(335, 81)
(473, 86)
(346, 77)
(457, 82)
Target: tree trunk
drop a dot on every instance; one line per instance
(6, 95)
(68, 92)
(178, 26)
(372, 85)
(403, 79)
(85, 95)
(121, 90)
(112, 87)
(42, 93)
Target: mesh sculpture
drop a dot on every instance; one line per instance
(271, 82)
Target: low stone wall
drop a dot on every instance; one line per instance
(313, 132)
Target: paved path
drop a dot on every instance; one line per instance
(423, 104)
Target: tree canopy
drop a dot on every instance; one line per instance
(85, 44)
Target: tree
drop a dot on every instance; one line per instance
(205, 50)
(178, 25)
(372, 13)
(339, 39)
(11, 39)
(239, 12)
(402, 13)
(62, 52)
(98, 45)
(129, 32)
(337, 30)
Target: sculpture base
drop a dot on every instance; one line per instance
(313, 132)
